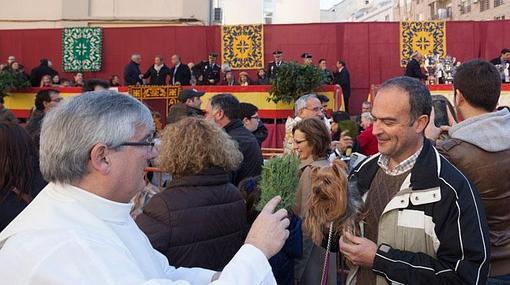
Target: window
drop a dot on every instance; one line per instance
(387, 18)
(465, 7)
(498, 3)
(484, 5)
(432, 10)
(268, 11)
(499, 17)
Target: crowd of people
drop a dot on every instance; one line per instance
(75, 209)
(206, 72)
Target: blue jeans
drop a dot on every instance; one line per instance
(499, 280)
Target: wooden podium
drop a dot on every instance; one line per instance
(157, 98)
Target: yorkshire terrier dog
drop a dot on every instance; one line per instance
(331, 202)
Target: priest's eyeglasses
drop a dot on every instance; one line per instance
(150, 141)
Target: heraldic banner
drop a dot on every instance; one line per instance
(82, 49)
(425, 37)
(242, 46)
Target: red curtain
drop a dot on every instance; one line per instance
(370, 50)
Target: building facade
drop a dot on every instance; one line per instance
(237, 12)
(359, 11)
(478, 10)
(34, 14)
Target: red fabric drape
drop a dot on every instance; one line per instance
(371, 50)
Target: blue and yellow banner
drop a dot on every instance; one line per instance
(425, 37)
(242, 46)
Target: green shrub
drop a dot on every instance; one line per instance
(11, 80)
(294, 80)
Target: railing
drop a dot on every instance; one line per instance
(268, 153)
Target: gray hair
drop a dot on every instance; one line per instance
(70, 131)
(367, 116)
(301, 102)
(420, 99)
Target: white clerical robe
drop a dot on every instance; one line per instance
(71, 236)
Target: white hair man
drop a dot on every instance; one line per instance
(78, 230)
(305, 107)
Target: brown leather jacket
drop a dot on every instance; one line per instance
(490, 172)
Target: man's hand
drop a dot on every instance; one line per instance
(360, 251)
(431, 131)
(344, 142)
(269, 231)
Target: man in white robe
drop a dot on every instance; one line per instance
(78, 230)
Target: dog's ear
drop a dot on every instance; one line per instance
(339, 168)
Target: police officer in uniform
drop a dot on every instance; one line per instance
(307, 58)
(209, 71)
(273, 66)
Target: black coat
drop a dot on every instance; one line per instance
(11, 205)
(157, 78)
(413, 69)
(249, 147)
(272, 69)
(33, 126)
(496, 60)
(207, 72)
(343, 78)
(182, 75)
(260, 133)
(198, 221)
(37, 74)
(132, 74)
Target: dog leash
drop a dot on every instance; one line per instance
(325, 269)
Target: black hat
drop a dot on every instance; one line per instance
(306, 55)
(188, 94)
(277, 52)
(213, 54)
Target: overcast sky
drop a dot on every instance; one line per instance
(326, 4)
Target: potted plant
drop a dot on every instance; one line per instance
(10, 80)
(294, 80)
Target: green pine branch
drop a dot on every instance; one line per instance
(280, 176)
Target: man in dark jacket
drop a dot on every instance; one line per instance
(43, 69)
(209, 71)
(426, 223)
(413, 68)
(479, 146)
(6, 114)
(191, 98)
(503, 60)
(343, 78)
(45, 100)
(251, 121)
(179, 73)
(272, 67)
(132, 74)
(224, 110)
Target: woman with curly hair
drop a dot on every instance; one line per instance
(200, 219)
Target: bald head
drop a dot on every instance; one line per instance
(136, 58)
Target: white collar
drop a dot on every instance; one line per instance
(100, 207)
